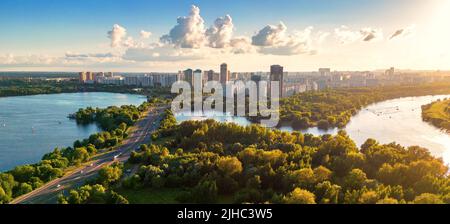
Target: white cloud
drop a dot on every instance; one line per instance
(371, 34)
(27, 60)
(270, 35)
(130, 42)
(158, 52)
(322, 36)
(241, 45)
(404, 32)
(117, 34)
(145, 34)
(189, 32)
(346, 36)
(96, 55)
(7, 59)
(219, 35)
(274, 40)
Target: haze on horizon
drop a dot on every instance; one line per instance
(171, 35)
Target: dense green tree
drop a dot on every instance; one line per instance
(427, 198)
(300, 196)
(110, 174)
(205, 192)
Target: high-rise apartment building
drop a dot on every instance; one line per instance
(224, 73)
(210, 75)
(188, 76)
(324, 71)
(82, 77)
(276, 74)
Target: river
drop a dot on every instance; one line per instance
(31, 126)
(398, 120)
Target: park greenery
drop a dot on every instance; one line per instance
(97, 192)
(438, 114)
(23, 87)
(112, 117)
(115, 122)
(334, 107)
(212, 162)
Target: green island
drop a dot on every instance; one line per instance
(212, 162)
(334, 107)
(438, 114)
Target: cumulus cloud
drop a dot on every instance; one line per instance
(345, 35)
(322, 36)
(131, 42)
(270, 35)
(403, 32)
(274, 40)
(241, 45)
(371, 34)
(145, 34)
(117, 34)
(189, 31)
(219, 35)
(159, 52)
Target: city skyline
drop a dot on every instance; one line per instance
(147, 36)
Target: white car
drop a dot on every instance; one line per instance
(58, 186)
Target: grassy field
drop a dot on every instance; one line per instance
(438, 114)
(151, 196)
(159, 196)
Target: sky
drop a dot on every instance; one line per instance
(249, 35)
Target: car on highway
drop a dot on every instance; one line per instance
(117, 156)
(58, 186)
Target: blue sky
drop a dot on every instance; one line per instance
(54, 27)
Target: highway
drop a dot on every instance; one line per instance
(139, 134)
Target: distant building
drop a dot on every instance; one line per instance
(210, 75)
(216, 76)
(255, 78)
(188, 76)
(82, 77)
(234, 76)
(276, 74)
(390, 72)
(224, 73)
(90, 76)
(324, 71)
(198, 77)
(115, 80)
(87, 77)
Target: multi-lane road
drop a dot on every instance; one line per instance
(139, 134)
